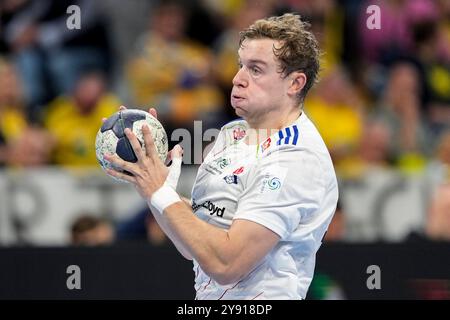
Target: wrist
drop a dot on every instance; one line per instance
(163, 198)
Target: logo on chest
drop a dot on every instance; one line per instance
(233, 178)
(266, 145)
(216, 166)
(238, 133)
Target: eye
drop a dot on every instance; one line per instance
(255, 70)
(239, 64)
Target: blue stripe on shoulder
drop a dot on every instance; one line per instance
(280, 135)
(295, 134)
(285, 135)
(288, 135)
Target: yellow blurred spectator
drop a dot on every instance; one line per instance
(12, 117)
(74, 120)
(172, 72)
(336, 110)
(20, 143)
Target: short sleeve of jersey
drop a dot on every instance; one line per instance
(285, 187)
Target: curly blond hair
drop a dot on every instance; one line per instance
(299, 50)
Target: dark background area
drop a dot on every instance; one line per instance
(139, 271)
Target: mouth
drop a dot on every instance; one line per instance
(236, 98)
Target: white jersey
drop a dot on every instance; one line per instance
(287, 184)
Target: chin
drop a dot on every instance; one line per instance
(239, 111)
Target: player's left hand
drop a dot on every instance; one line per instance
(149, 173)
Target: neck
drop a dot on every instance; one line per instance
(260, 130)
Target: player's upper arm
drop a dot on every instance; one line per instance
(250, 242)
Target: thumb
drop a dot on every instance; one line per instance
(153, 112)
(177, 152)
(175, 168)
(174, 153)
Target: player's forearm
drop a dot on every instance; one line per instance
(210, 246)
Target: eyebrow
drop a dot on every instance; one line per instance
(255, 61)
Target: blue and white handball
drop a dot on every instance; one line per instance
(111, 137)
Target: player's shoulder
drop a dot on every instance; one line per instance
(300, 138)
(287, 138)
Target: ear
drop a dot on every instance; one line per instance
(297, 82)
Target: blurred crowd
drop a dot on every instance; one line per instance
(382, 102)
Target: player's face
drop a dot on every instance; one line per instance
(259, 89)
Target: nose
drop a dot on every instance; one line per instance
(239, 79)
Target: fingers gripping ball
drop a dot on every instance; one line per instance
(112, 139)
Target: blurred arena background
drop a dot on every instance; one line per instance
(382, 106)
